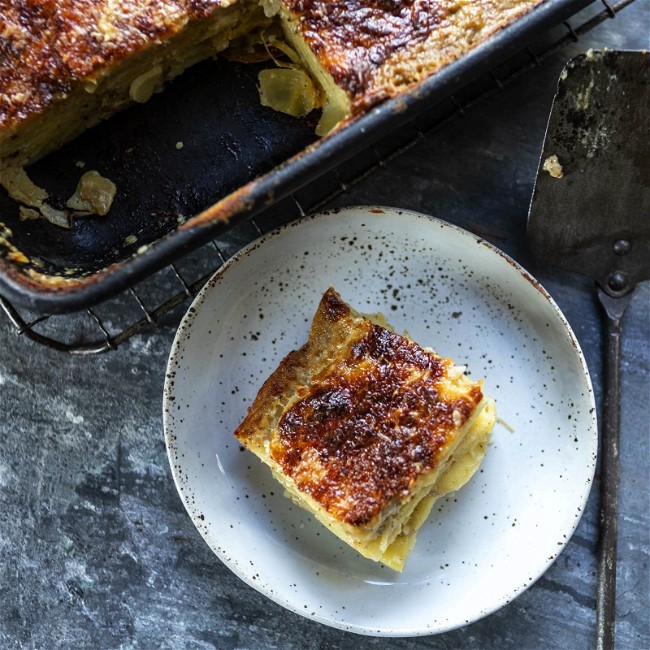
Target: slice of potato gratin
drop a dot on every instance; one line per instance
(365, 429)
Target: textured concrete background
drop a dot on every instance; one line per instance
(97, 550)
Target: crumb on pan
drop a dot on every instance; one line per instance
(553, 167)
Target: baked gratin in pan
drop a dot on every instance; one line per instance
(204, 155)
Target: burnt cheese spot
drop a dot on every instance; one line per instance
(333, 307)
(353, 38)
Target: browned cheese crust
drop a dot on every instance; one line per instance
(47, 47)
(359, 415)
(375, 49)
(65, 66)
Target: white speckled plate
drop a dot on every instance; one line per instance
(449, 290)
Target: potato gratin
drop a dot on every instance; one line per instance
(66, 65)
(365, 429)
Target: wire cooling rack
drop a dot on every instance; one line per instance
(163, 296)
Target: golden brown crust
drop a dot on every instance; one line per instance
(47, 47)
(372, 49)
(358, 427)
(375, 48)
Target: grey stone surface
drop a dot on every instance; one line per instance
(96, 548)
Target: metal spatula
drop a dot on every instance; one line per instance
(590, 213)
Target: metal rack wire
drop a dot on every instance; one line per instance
(165, 294)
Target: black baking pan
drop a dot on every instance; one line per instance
(192, 162)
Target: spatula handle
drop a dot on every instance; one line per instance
(609, 472)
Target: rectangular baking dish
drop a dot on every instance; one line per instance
(200, 157)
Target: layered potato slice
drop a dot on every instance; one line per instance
(365, 429)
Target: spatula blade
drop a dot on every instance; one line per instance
(590, 210)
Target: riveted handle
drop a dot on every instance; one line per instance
(609, 471)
